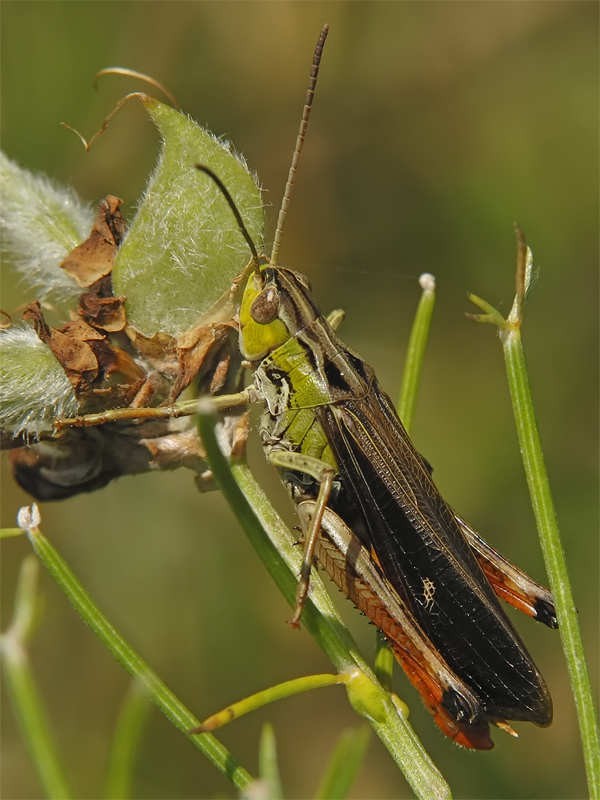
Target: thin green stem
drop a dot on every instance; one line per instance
(267, 759)
(23, 690)
(415, 354)
(7, 533)
(166, 701)
(543, 507)
(388, 718)
(554, 558)
(278, 692)
(344, 764)
(384, 662)
(126, 741)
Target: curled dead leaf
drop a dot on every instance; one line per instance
(90, 362)
(239, 438)
(70, 345)
(160, 350)
(101, 309)
(199, 348)
(94, 258)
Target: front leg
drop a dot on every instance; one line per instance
(324, 474)
(182, 409)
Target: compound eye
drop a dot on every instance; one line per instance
(265, 307)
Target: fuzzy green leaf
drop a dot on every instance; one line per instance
(41, 222)
(184, 247)
(34, 388)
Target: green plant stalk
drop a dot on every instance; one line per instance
(543, 509)
(7, 533)
(415, 353)
(344, 764)
(268, 768)
(384, 662)
(274, 543)
(278, 692)
(32, 720)
(160, 695)
(23, 691)
(133, 714)
(388, 717)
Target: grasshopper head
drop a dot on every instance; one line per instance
(276, 305)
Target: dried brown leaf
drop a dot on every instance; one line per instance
(240, 435)
(194, 349)
(91, 363)
(101, 309)
(69, 345)
(160, 350)
(94, 258)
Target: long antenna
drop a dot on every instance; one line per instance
(238, 217)
(314, 72)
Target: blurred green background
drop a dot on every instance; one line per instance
(435, 127)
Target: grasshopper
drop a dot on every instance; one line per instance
(370, 512)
